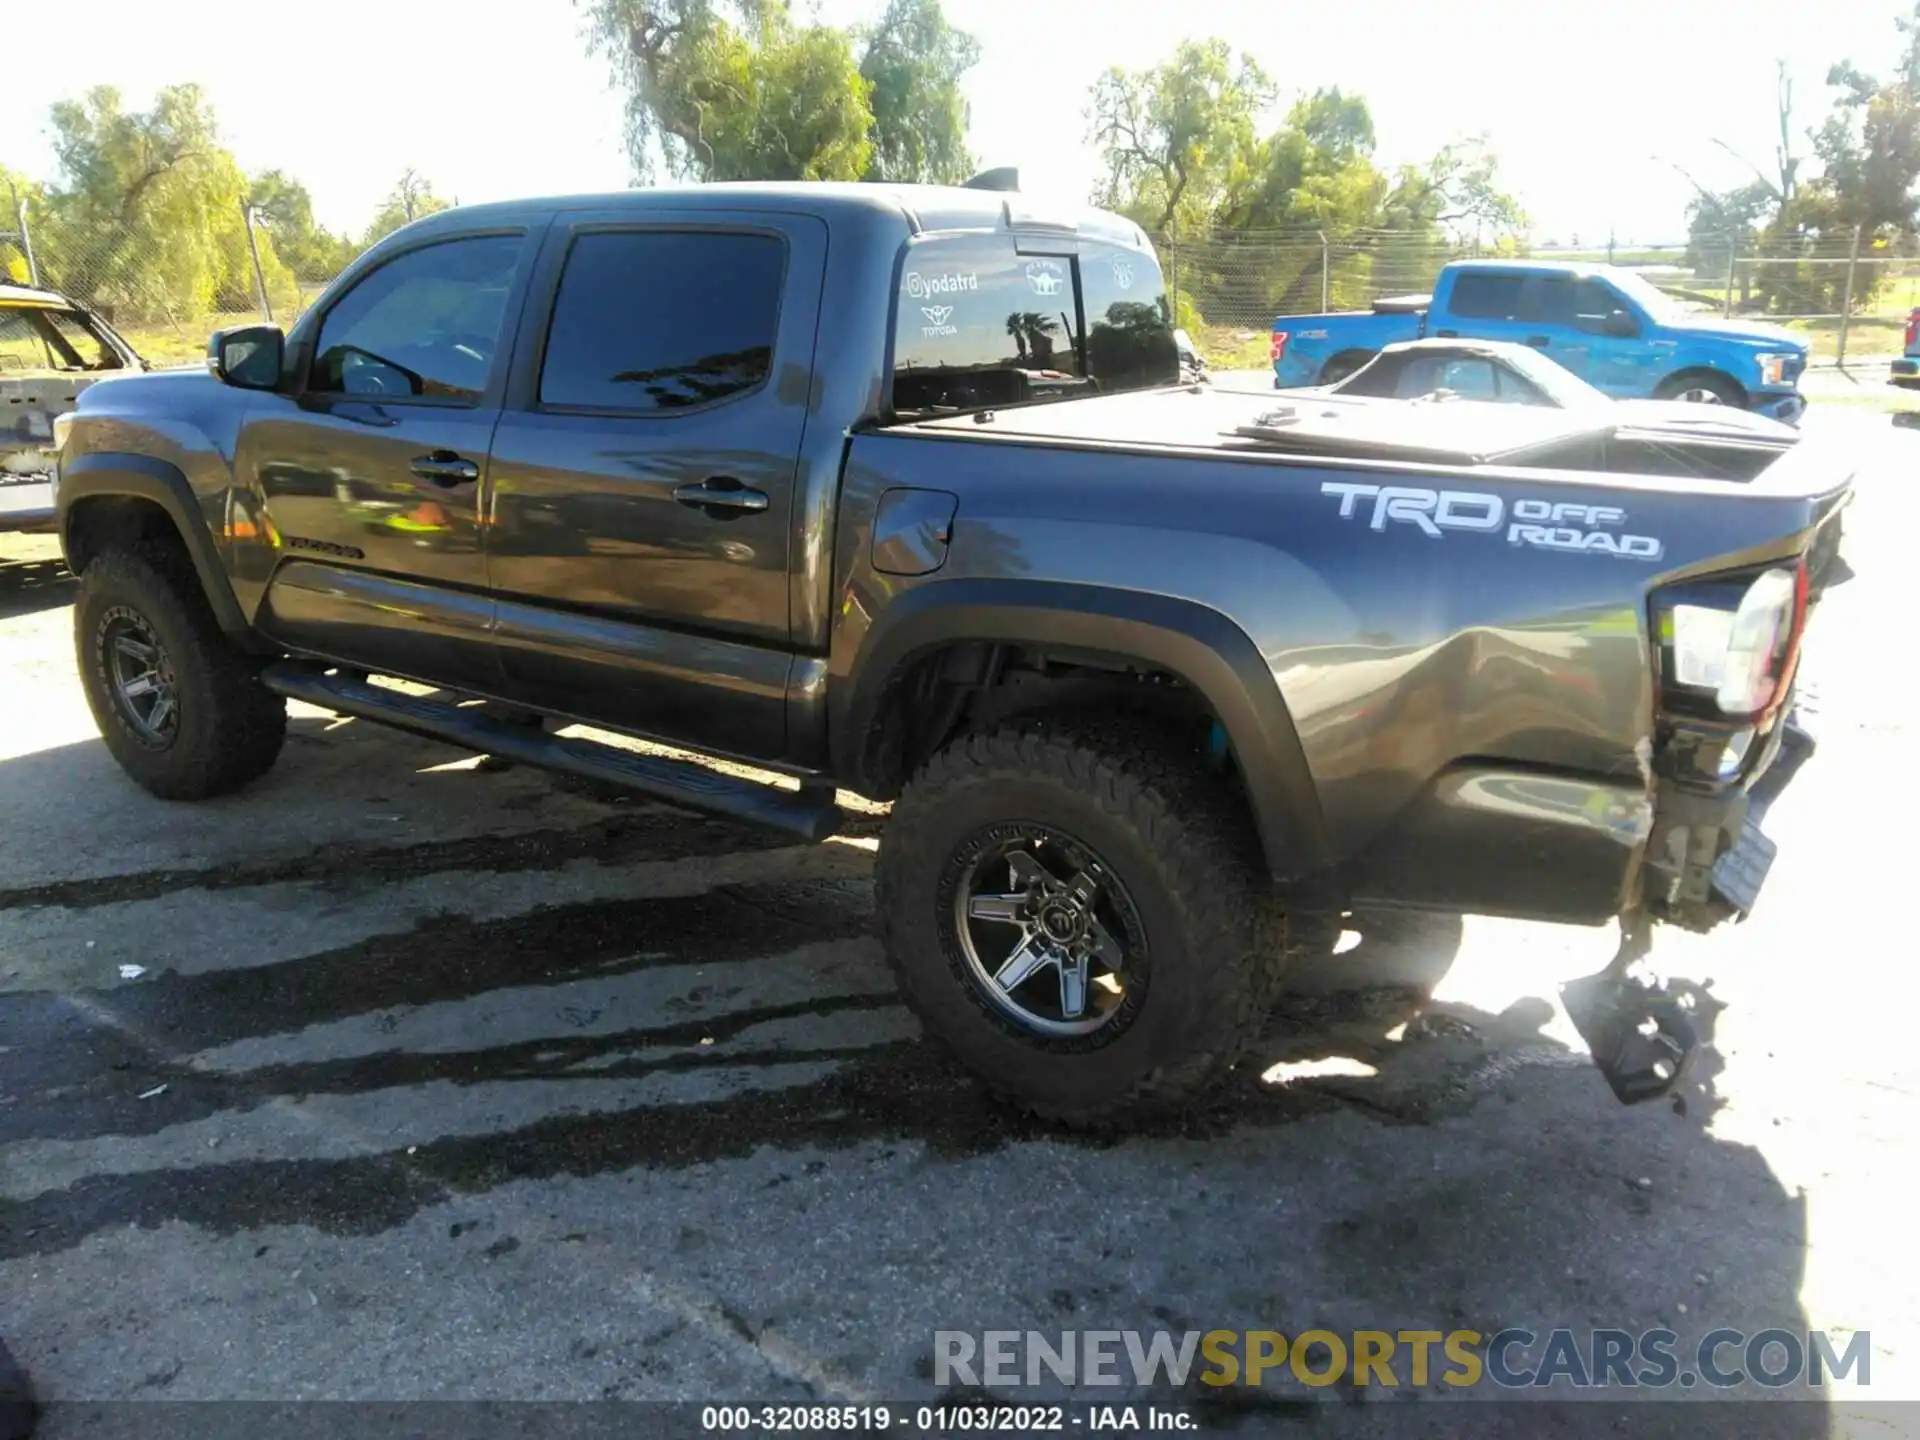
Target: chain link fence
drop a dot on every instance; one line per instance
(165, 295)
(1850, 296)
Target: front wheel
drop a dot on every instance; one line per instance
(1703, 387)
(1081, 915)
(181, 708)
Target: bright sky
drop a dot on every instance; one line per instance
(498, 99)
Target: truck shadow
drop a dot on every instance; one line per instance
(28, 586)
(1383, 1161)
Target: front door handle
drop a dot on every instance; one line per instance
(443, 467)
(1539, 342)
(721, 493)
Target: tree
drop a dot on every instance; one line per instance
(283, 205)
(734, 90)
(1869, 147)
(913, 63)
(1176, 138)
(410, 200)
(147, 212)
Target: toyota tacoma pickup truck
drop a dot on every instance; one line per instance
(1606, 325)
(897, 491)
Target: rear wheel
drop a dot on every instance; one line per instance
(1343, 365)
(1080, 914)
(180, 708)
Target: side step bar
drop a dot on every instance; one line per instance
(809, 816)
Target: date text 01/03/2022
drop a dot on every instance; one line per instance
(945, 1419)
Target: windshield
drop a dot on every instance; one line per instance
(41, 337)
(1654, 303)
(979, 324)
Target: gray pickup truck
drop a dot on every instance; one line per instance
(898, 491)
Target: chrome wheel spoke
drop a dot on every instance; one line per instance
(1083, 887)
(1106, 948)
(1073, 986)
(1027, 871)
(162, 711)
(140, 686)
(1027, 957)
(1002, 909)
(137, 651)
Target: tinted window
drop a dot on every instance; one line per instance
(427, 323)
(1486, 297)
(660, 321)
(980, 324)
(1130, 342)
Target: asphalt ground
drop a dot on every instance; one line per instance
(393, 1078)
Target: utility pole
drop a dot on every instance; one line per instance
(1733, 259)
(1846, 304)
(259, 276)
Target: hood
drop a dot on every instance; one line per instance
(1745, 332)
(168, 387)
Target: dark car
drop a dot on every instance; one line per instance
(900, 491)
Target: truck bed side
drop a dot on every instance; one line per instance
(1424, 674)
(1311, 341)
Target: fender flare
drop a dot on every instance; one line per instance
(1182, 637)
(116, 475)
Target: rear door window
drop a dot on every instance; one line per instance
(1481, 296)
(663, 320)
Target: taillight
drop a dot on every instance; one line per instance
(1278, 350)
(1913, 331)
(1743, 656)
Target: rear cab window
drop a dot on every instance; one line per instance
(977, 324)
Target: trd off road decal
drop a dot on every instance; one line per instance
(1547, 524)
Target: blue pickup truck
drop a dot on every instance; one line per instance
(1607, 325)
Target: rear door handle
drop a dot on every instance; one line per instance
(1539, 342)
(443, 467)
(721, 494)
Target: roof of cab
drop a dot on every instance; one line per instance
(920, 208)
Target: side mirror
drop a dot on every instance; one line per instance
(1621, 324)
(249, 358)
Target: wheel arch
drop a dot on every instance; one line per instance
(107, 499)
(1671, 384)
(1342, 363)
(1199, 647)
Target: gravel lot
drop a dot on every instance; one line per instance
(434, 1082)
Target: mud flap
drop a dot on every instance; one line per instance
(1640, 1035)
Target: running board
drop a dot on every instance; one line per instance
(808, 815)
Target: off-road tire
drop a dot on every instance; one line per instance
(1180, 841)
(229, 727)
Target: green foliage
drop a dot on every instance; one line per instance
(738, 90)
(913, 63)
(411, 199)
(146, 217)
(284, 207)
(1177, 138)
